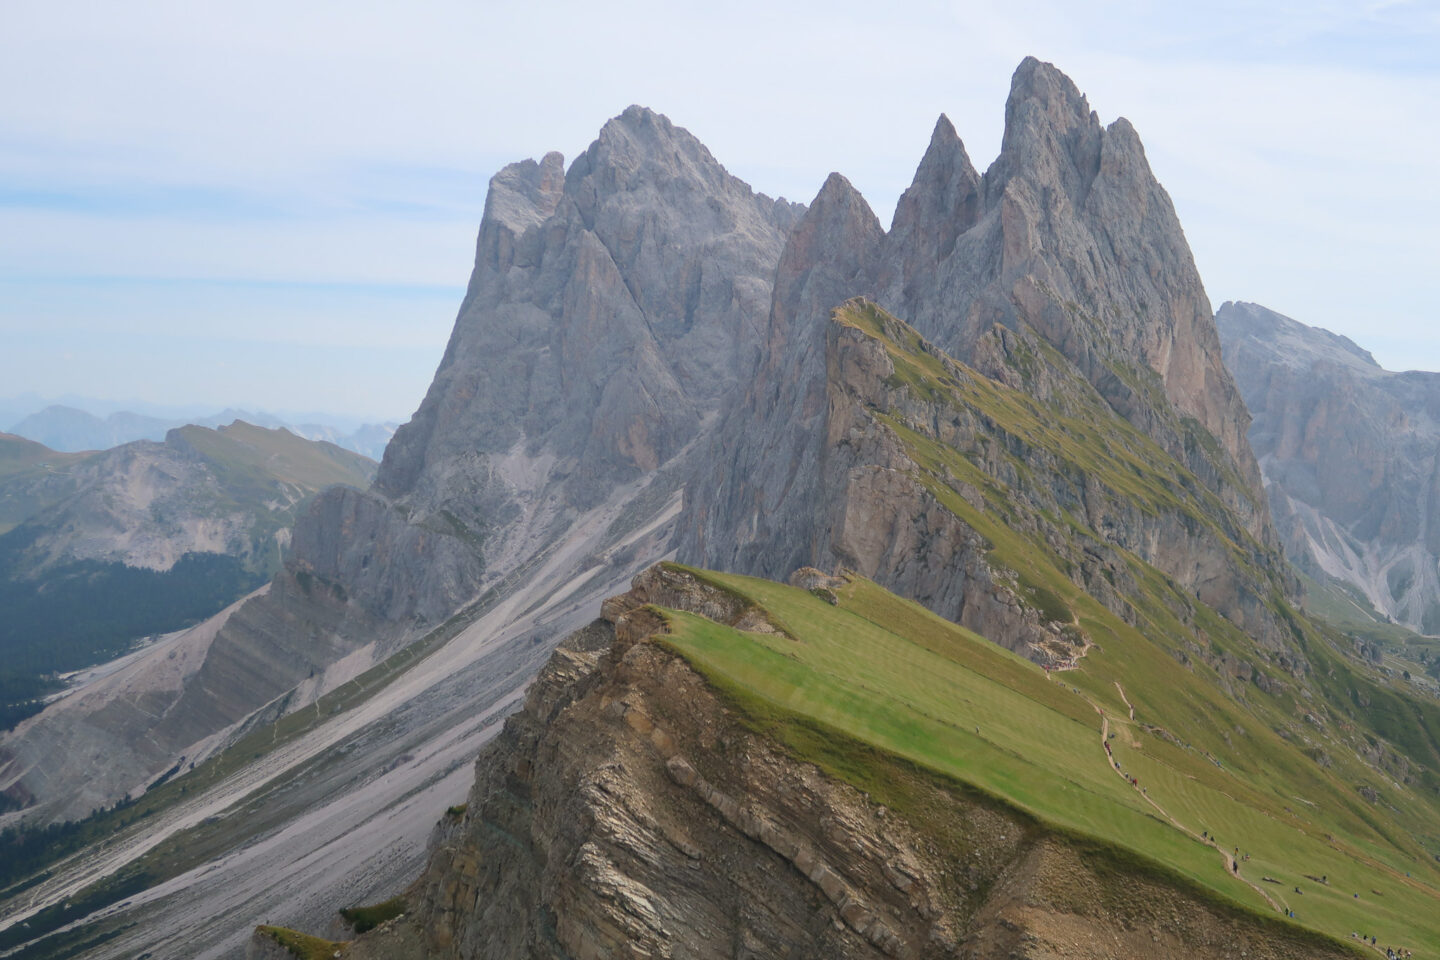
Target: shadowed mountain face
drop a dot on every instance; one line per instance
(1062, 271)
(1349, 453)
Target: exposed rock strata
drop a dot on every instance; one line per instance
(1063, 272)
(627, 812)
(1351, 458)
(859, 498)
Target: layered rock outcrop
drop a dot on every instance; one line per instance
(1349, 454)
(628, 811)
(1061, 272)
(909, 451)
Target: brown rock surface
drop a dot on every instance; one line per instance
(626, 812)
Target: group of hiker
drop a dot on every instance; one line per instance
(1133, 781)
(1391, 953)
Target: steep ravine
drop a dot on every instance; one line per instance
(629, 811)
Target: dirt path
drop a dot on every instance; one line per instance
(1128, 705)
(1229, 860)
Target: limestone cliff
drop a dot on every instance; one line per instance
(913, 456)
(610, 310)
(1061, 272)
(628, 811)
(1349, 454)
(1068, 233)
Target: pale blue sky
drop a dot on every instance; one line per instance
(273, 205)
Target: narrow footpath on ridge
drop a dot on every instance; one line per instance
(1279, 906)
(1229, 861)
(1128, 705)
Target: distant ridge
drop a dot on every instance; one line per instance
(70, 429)
(1348, 450)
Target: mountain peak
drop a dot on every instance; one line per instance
(638, 135)
(838, 231)
(523, 194)
(837, 192)
(944, 132)
(1042, 82)
(1051, 134)
(1302, 343)
(942, 201)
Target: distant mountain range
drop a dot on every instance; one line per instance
(99, 549)
(71, 429)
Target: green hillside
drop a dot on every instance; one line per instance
(248, 458)
(1321, 765)
(887, 673)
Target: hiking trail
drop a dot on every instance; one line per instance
(1279, 907)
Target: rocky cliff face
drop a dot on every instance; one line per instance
(611, 308)
(627, 811)
(912, 456)
(1068, 233)
(1349, 454)
(1061, 272)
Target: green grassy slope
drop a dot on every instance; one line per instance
(888, 673)
(18, 455)
(1313, 761)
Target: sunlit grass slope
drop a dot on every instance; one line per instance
(1295, 752)
(887, 673)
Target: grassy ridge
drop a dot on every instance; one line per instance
(1325, 770)
(888, 673)
(1173, 641)
(248, 459)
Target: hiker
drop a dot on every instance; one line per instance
(1235, 867)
